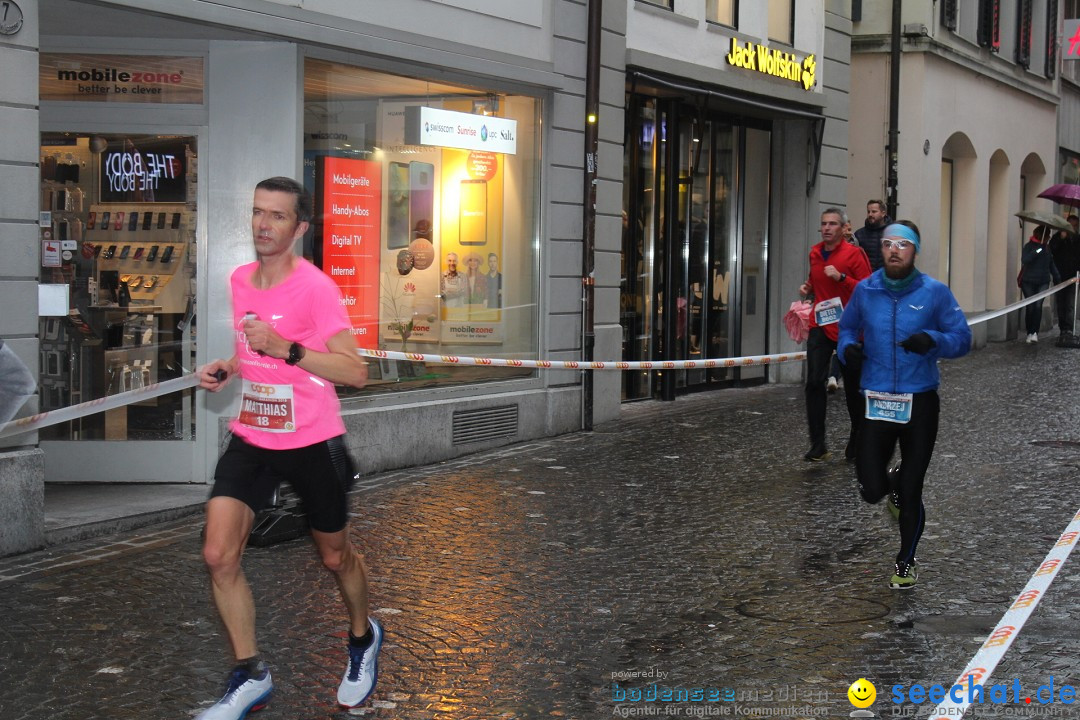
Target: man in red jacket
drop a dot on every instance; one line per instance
(836, 267)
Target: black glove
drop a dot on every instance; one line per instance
(853, 354)
(920, 343)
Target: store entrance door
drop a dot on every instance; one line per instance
(121, 210)
(695, 221)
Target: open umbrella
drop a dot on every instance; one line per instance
(1063, 194)
(1044, 218)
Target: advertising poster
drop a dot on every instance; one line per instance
(471, 251)
(348, 201)
(409, 299)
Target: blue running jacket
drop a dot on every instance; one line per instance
(883, 318)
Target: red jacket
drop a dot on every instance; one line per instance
(848, 259)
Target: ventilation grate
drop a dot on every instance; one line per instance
(482, 424)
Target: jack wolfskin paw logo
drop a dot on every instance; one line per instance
(809, 70)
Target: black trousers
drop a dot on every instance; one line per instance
(819, 350)
(1033, 312)
(877, 441)
(1065, 299)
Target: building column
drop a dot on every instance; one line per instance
(22, 471)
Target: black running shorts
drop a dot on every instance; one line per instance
(319, 474)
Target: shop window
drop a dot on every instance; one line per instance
(426, 216)
(782, 21)
(657, 3)
(723, 12)
(1051, 24)
(118, 216)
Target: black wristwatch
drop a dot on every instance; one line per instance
(296, 354)
(843, 277)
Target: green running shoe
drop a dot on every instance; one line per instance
(905, 576)
(894, 505)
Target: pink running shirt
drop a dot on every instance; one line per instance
(283, 406)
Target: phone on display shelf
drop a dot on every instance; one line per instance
(421, 199)
(152, 255)
(133, 221)
(110, 252)
(105, 216)
(175, 220)
(97, 250)
(397, 206)
(167, 255)
(147, 220)
(472, 217)
(161, 221)
(119, 225)
(124, 252)
(139, 252)
(91, 220)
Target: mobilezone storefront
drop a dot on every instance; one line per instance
(426, 177)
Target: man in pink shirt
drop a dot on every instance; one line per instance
(293, 343)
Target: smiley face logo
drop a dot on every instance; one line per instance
(862, 693)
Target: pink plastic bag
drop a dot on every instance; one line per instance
(797, 321)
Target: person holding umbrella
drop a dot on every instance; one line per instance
(1065, 249)
(1037, 269)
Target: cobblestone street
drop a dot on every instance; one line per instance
(686, 546)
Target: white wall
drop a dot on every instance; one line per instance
(938, 100)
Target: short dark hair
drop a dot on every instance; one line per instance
(279, 183)
(879, 203)
(913, 226)
(1072, 216)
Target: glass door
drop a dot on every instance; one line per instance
(640, 219)
(722, 249)
(119, 255)
(753, 275)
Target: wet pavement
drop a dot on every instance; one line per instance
(686, 547)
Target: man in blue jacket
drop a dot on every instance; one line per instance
(898, 323)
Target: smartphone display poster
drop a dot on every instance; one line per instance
(348, 194)
(398, 231)
(471, 249)
(409, 268)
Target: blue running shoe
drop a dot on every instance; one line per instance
(244, 693)
(359, 680)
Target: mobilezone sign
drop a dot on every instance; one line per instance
(465, 131)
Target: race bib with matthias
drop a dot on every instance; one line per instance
(267, 407)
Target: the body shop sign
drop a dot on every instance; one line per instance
(70, 77)
(143, 169)
(465, 131)
(348, 196)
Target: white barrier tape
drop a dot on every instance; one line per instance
(991, 314)
(746, 361)
(109, 402)
(1005, 632)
